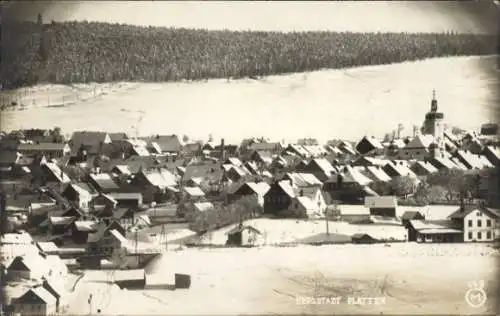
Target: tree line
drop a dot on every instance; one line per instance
(80, 52)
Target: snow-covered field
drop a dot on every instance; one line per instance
(341, 103)
(411, 278)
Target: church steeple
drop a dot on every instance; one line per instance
(434, 102)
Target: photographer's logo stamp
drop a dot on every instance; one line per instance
(476, 295)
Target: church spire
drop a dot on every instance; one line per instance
(434, 104)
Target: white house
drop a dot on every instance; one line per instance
(479, 223)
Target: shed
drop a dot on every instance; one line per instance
(363, 239)
(382, 205)
(36, 301)
(130, 279)
(242, 236)
(411, 215)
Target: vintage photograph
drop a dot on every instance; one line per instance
(249, 157)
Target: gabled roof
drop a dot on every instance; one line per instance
(160, 178)
(378, 174)
(372, 141)
(381, 202)
(167, 143)
(443, 162)
(117, 136)
(86, 226)
(239, 229)
(286, 186)
(420, 141)
(427, 166)
(306, 203)
(194, 191)
(56, 171)
(61, 220)
(324, 165)
(350, 175)
(104, 181)
(411, 215)
(37, 292)
(461, 213)
(203, 206)
(444, 225)
(140, 151)
(89, 139)
(401, 169)
(493, 151)
(260, 188)
(303, 179)
(42, 147)
(47, 247)
(372, 161)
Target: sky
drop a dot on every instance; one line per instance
(361, 16)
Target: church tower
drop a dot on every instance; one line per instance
(433, 124)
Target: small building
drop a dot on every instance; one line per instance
(411, 215)
(258, 190)
(80, 194)
(434, 231)
(80, 231)
(369, 145)
(243, 236)
(49, 150)
(130, 279)
(363, 239)
(382, 205)
(48, 248)
(28, 267)
(354, 214)
(36, 301)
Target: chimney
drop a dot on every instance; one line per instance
(462, 204)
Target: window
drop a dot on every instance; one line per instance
(488, 222)
(478, 223)
(470, 223)
(470, 235)
(479, 235)
(488, 235)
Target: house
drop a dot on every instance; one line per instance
(28, 267)
(124, 216)
(369, 145)
(477, 222)
(131, 200)
(243, 236)
(80, 230)
(49, 150)
(282, 200)
(297, 150)
(89, 142)
(315, 150)
(80, 194)
(418, 148)
(101, 241)
(320, 168)
(490, 129)
(411, 215)
(36, 301)
(58, 225)
(103, 182)
(272, 147)
(434, 231)
(382, 205)
(130, 279)
(103, 202)
(363, 239)
(262, 157)
(8, 159)
(258, 190)
(170, 144)
(349, 179)
(354, 214)
(303, 180)
(492, 153)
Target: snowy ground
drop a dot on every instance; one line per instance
(341, 103)
(411, 278)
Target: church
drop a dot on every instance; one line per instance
(430, 143)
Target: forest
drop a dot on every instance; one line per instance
(81, 52)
